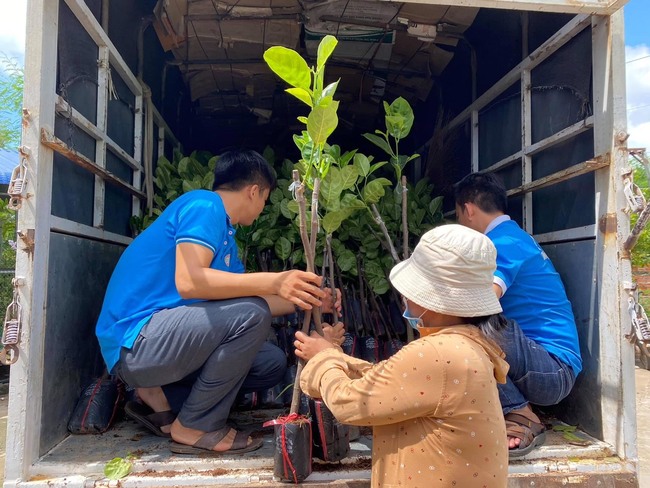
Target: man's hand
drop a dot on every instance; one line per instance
(328, 306)
(308, 346)
(335, 334)
(300, 288)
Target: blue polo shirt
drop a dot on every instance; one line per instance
(533, 293)
(143, 281)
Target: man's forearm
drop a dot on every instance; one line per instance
(278, 305)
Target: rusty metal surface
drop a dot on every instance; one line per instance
(586, 480)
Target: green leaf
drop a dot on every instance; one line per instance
(187, 186)
(399, 109)
(435, 206)
(328, 92)
(350, 200)
(332, 221)
(276, 196)
(283, 248)
(293, 207)
(284, 208)
(301, 94)
(379, 142)
(331, 188)
(302, 118)
(379, 285)
(288, 65)
(374, 190)
(183, 168)
(321, 122)
(395, 126)
(345, 158)
(376, 166)
(362, 164)
(208, 181)
(117, 468)
(213, 163)
(411, 158)
(349, 176)
(564, 428)
(325, 50)
(346, 260)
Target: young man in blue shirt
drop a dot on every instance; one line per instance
(184, 325)
(541, 340)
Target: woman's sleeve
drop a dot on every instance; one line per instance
(407, 385)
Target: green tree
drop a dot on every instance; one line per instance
(11, 101)
(641, 252)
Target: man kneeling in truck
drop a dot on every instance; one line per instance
(541, 340)
(184, 325)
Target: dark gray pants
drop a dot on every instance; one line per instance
(210, 345)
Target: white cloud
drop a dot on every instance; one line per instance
(638, 95)
(12, 28)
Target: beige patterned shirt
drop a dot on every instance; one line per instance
(434, 408)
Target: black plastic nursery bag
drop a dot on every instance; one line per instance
(97, 406)
(293, 444)
(331, 438)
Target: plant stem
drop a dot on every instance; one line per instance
(314, 238)
(302, 216)
(330, 263)
(405, 224)
(384, 230)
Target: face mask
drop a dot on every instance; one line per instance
(414, 322)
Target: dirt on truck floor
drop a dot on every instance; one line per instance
(643, 421)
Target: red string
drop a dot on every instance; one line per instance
(286, 460)
(90, 401)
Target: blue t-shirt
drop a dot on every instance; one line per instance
(143, 281)
(534, 295)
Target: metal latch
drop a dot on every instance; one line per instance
(18, 181)
(11, 332)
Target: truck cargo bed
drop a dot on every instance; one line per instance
(80, 459)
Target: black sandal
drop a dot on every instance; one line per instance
(146, 417)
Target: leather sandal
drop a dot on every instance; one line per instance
(146, 417)
(532, 434)
(206, 443)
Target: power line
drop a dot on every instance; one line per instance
(638, 107)
(637, 59)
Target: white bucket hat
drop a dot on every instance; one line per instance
(450, 272)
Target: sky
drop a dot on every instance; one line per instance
(637, 49)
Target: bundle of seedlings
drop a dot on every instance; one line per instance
(293, 432)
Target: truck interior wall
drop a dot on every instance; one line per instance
(575, 261)
(73, 188)
(560, 97)
(125, 20)
(78, 273)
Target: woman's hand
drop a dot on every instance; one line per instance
(308, 346)
(329, 304)
(334, 334)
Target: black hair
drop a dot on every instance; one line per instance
(490, 325)
(236, 169)
(485, 190)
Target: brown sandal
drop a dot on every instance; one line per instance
(532, 434)
(205, 445)
(146, 417)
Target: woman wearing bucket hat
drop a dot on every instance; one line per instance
(434, 405)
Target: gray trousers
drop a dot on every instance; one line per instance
(202, 354)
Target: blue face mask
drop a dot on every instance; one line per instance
(414, 322)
